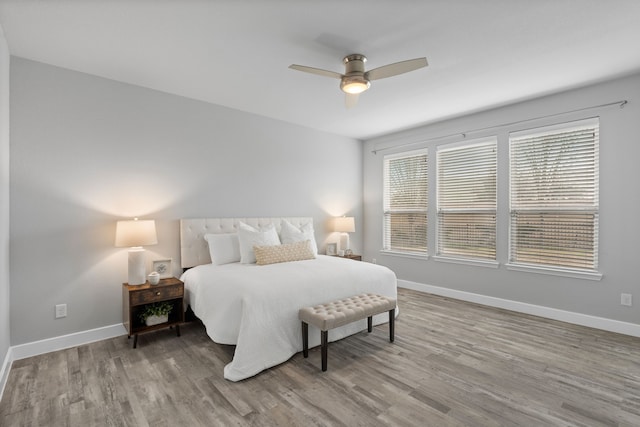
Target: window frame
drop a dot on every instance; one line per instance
(386, 237)
(561, 208)
(442, 154)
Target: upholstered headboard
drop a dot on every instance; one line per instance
(194, 249)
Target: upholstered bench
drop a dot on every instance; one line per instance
(338, 313)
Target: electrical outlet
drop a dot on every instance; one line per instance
(626, 299)
(374, 261)
(61, 311)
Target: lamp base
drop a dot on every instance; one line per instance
(344, 242)
(137, 270)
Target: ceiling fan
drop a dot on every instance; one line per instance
(356, 80)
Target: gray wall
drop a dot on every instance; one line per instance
(4, 198)
(87, 151)
(619, 206)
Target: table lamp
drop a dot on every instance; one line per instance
(344, 225)
(135, 234)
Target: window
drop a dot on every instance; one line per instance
(405, 202)
(554, 196)
(467, 200)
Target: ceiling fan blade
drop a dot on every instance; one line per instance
(396, 68)
(351, 99)
(317, 71)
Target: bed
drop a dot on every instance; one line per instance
(255, 307)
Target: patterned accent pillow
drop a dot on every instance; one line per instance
(297, 251)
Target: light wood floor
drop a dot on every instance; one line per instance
(452, 363)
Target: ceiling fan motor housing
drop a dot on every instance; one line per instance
(353, 80)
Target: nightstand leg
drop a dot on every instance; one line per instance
(135, 341)
(178, 330)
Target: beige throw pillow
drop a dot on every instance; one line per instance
(297, 251)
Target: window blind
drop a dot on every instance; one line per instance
(405, 202)
(554, 196)
(467, 200)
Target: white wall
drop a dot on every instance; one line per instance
(87, 151)
(4, 205)
(619, 206)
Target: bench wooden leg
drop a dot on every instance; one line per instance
(305, 339)
(392, 319)
(370, 324)
(325, 343)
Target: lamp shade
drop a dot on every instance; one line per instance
(344, 224)
(132, 233)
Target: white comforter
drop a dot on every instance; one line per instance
(256, 307)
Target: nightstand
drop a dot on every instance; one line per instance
(135, 297)
(352, 256)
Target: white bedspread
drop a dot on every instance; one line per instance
(256, 307)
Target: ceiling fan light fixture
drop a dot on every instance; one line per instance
(354, 84)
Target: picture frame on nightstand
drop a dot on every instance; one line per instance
(332, 249)
(163, 267)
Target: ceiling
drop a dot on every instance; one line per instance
(236, 53)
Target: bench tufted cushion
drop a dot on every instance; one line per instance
(337, 313)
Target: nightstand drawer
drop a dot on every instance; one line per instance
(157, 294)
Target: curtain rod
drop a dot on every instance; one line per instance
(621, 104)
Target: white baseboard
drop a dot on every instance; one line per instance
(536, 310)
(4, 371)
(48, 345)
(66, 341)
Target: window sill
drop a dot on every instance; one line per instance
(563, 272)
(468, 261)
(423, 257)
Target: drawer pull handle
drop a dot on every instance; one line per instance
(158, 294)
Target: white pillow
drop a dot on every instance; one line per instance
(250, 237)
(224, 248)
(289, 233)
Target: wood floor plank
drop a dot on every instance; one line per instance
(452, 364)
